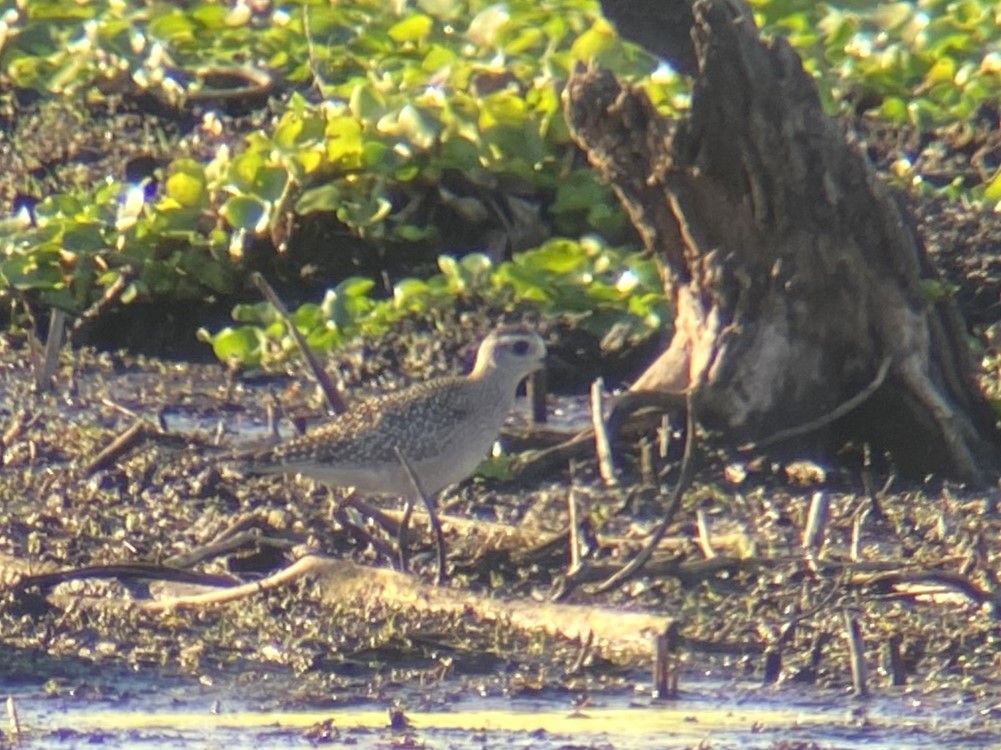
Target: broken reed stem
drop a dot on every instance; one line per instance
(330, 393)
(602, 445)
(895, 661)
(13, 721)
(856, 651)
(50, 358)
(664, 437)
(648, 462)
(855, 548)
(704, 538)
(815, 531)
(125, 441)
(536, 388)
(574, 566)
(666, 670)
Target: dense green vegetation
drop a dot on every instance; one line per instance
(377, 105)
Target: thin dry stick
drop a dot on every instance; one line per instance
(330, 393)
(816, 522)
(666, 663)
(12, 718)
(294, 572)
(575, 563)
(602, 445)
(50, 360)
(856, 649)
(403, 536)
(684, 479)
(111, 294)
(439, 539)
(704, 538)
(220, 547)
(125, 441)
(855, 548)
(536, 388)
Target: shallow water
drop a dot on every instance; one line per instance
(182, 715)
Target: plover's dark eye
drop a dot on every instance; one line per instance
(520, 348)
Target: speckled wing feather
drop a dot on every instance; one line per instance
(419, 417)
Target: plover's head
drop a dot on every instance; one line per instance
(514, 351)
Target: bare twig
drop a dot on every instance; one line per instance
(704, 538)
(575, 563)
(83, 324)
(536, 387)
(12, 719)
(816, 522)
(330, 393)
(602, 445)
(122, 572)
(666, 665)
(294, 572)
(125, 441)
(53, 343)
(856, 650)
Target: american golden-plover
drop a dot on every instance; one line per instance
(443, 427)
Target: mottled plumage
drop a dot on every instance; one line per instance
(444, 427)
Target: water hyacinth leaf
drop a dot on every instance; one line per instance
(243, 345)
(344, 141)
(39, 270)
(84, 238)
(412, 29)
(355, 286)
(438, 57)
(245, 212)
(243, 170)
(414, 233)
(993, 190)
(477, 268)
(410, 293)
(271, 182)
(323, 198)
(378, 156)
(260, 313)
(208, 272)
(186, 184)
(594, 43)
(210, 16)
(324, 339)
(460, 153)
(175, 27)
(308, 317)
(365, 103)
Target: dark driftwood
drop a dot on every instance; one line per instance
(795, 272)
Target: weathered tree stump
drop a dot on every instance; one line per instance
(796, 274)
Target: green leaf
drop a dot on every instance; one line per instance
(323, 198)
(245, 212)
(243, 346)
(412, 29)
(186, 184)
(344, 141)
